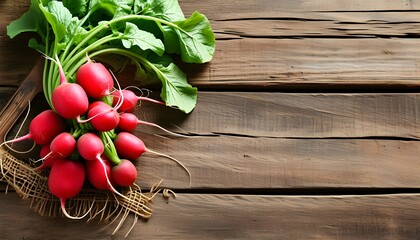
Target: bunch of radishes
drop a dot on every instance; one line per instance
(87, 134)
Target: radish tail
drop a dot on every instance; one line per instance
(173, 159)
(42, 159)
(63, 209)
(61, 71)
(150, 100)
(161, 128)
(109, 182)
(81, 121)
(25, 137)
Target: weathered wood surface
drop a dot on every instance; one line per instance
(220, 216)
(268, 164)
(295, 115)
(283, 45)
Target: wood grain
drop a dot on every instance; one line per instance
(286, 141)
(295, 115)
(257, 45)
(212, 216)
(253, 147)
(16, 58)
(238, 163)
(251, 6)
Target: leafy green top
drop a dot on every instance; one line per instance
(144, 31)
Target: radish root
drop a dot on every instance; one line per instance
(175, 160)
(17, 134)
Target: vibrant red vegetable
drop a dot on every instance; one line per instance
(130, 100)
(97, 176)
(63, 145)
(124, 174)
(66, 180)
(103, 117)
(90, 146)
(129, 122)
(131, 147)
(48, 160)
(43, 128)
(69, 99)
(95, 79)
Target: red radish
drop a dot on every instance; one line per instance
(96, 103)
(90, 147)
(129, 122)
(69, 99)
(95, 79)
(131, 147)
(43, 128)
(63, 145)
(48, 160)
(124, 174)
(130, 100)
(66, 180)
(96, 174)
(103, 118)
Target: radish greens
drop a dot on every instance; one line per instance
(146, 32)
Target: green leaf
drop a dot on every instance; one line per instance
(62, 14)
(59, 17)
(196, 40)
(31, 21)
(102, 10)
(171, 39)
(133, 36)
(140, 6)
(26, 23)
(76, 31)
(76, 7)
(166, 9)
(33, 43)
(176, 91)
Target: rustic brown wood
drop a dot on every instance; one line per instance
(287, 143)
(271, 163)
(317, 63)
(257, 50)
(294, 115)
(30, 87)
(252, 6)
(211, 216)
(251, 149)
(16, 59)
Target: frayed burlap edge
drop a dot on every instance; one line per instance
(32, 186)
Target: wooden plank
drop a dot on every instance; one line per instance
(209, 216)
(257, 57)
(16, 59)
(232, 163)
(295, 115)
(212, 7)
(292, 141)
(267, 163)
(280, 24)
(319, 64)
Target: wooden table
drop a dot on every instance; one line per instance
(306, 127)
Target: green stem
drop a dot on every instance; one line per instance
(101, 27)
(45, 85)
(145, 17)
(125, 53)
(83, 52)
(109, 148)
(68, 46)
